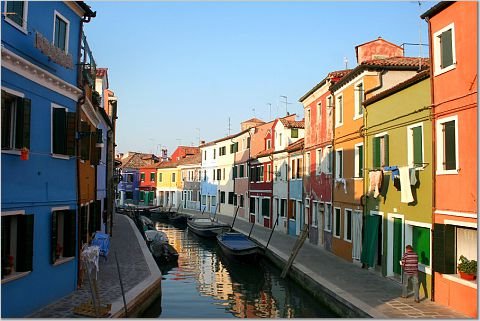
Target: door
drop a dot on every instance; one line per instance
(397, 245)
(357, 235)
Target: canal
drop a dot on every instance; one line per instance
(206, 284)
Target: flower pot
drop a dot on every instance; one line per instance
(24, 154)
(467, 276)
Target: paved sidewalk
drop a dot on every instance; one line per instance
(141, 276)
(364, 291)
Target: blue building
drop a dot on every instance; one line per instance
(129, 187)
(40, 99)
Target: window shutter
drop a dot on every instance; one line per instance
(360, 161)
(54, 237)
(69, 233)
(234, 171)
(417, 145)
(94, 156)
(376, 152)
(59, 131)
(450, 161)
(25, 243)
(446, 47)
(85, 140)
(444, 248)
(385, 149)
(22, 126)
(6, 116)
(70, 139)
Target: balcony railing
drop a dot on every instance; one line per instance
(89, 67)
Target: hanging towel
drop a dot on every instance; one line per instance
(376, 178)
(406, 192)
(341, 181)
(413, 176)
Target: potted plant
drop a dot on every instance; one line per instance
(467, 268)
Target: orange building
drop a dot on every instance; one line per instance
(453, 52)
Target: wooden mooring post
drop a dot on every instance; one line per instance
(295, 250)
(235, 216)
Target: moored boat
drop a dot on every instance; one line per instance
(205, 227)
(239, 246)
(162, 251)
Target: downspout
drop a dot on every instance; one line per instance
(434, 158)
(380, 85)
(333, 167)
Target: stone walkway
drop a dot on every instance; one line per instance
(136, 269)
(365, 292)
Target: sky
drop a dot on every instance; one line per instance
(190, 71)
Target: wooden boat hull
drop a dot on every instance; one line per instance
(207, 230)
(238, 246)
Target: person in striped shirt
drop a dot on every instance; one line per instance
(409, 263)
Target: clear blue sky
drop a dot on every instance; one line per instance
(180, 69)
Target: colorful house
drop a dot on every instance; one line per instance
(318, 145)
(41, 101)
(241, 163)
(404, 199)
(296, 210)
(453, 35)
(128, 187)
(169, 184)
(190, 170)
(381, 66)
(209, 181)
(148, 185)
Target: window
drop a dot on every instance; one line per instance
(314, 213)
(339, 164)
(268, 144)
(63, 133)
(283, 207)
(241, 171)
(359, 160)
(173, 177)
(380, 151)
(214, 153)
(129, 178)
(61, 31)
(242, 201)
(17, 252)
(447, 145)
(294, 132)
(358, 100)
(17, 14)
(348, 225)
(265, 207)
(318, 161)
(466, 243)
(328, 159)
(415, 144)
(248, 142)
(222, 197)
(63, 235)
(319, 113)
(142, 177)
(222, 151)
(260, 173)
(308, 119)
(339, 111)
(219, 174)
(336, 222)
(307, 164)
(444, 49)
(160, 177)
(252, 205)
(15, 121)
(293, 169)
(269, 172)
(152, 177)
(299, 167)
(234, 148)
(280, 139)
(328, 217)
(231, 196)
(234, 173)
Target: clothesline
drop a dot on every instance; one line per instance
(382, 168)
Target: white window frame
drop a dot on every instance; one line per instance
(67, 32)
(440, 144)
(269, 172)
(306, 166)
(319, 161)
(334, 225)
(410, 144)
(339, 111)
(438, 70)
(357, 155)
(337, 164)
(22, 28)
(319, 113)
(12, 149)
(268, 143)
(357, 94)
(314, 213)
(328, 215)
(345, 224)
(328, 159)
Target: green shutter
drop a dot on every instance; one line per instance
(360, 161)
(22, 126)
(54, 237)
(444, 249)
(397, 245)
(385, 150)
(59, 131)
(25, 243)
(370, 237)
(70, 137)
(417, 145)
(450, 161)
(234, 171)
(294, 132)
(446, 47)
(376, 152)
(421, 244)
(69, 233)
(266, 207)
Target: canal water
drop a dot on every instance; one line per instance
(206, 284)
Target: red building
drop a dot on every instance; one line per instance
(453, 52)
(148, 184)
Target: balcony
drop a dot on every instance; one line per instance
(87, 63)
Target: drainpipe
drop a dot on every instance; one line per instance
(434, 163)
(380, 85)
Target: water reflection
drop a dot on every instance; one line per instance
(207, 284)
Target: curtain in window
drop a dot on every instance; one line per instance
(466, 243)
(357, 235)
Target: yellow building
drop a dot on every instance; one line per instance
(169, 184)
